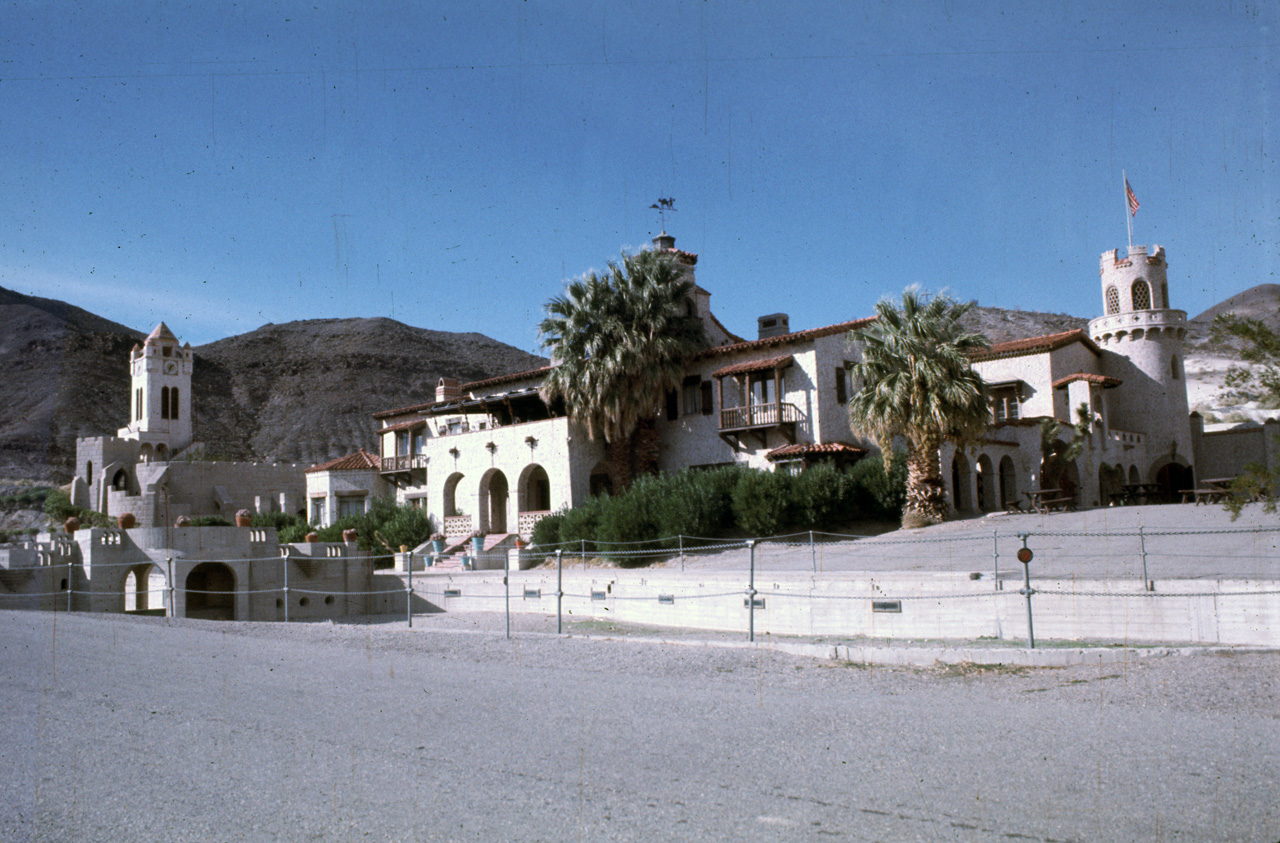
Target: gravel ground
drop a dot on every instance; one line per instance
(125, 728)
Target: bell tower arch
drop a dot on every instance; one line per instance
(160, 396)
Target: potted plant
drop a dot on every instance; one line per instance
(126, 520)
(312, 537)
(477, 542)
(350, 535)
(437, 542)
(520, 543)
(71, 525)
(182, 521)
(243, 518)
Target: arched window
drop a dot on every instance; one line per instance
(173, 403)
(164, 402)
(1175, 371)
(88, 473)
(1141, 295)
(1113, 301)
(1164, 294)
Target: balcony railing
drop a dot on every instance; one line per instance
(758, 415)
(407, 462)
(1126, 437)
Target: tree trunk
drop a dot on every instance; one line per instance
(926, 498)
(620, 453)
(646, 448)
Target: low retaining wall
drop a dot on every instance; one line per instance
(918, 606)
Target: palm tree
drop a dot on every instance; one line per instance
(918, 389)
(618, 342)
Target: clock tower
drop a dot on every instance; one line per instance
(160, 403)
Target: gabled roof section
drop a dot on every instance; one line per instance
(764, 364)
(730, 334)
(1035, 345)
(787, 339)
(1098, 380)
(361, 460)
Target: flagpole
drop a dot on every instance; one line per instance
(1128, 218)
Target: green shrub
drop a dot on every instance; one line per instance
(277, 520)
(826, 497)
(210, 521)
(57, 505)
(581, 523)
(546, 533)
(764, 503)
(879, 494)
(293, 533)
(398, 525)
(695, 503)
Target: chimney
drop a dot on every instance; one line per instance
(773, 325)
(664, 242)
(447, 390)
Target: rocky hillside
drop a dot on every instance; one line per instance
(302, 391)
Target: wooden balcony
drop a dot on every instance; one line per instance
(757, 420)
(405, 469)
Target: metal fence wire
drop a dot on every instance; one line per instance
(1013, 564)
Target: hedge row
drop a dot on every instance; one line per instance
(732, 500)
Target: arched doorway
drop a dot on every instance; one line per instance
(451, 495)
(1173, 478)
(144, 453)
(120, 482)
(535, 490)
(960, 483)
(493, 502)
(138, 588)
(1134, 477)
(600, 484)
(986, 484)
(210, 592)
(1008, 482)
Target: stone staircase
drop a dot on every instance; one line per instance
(451, 558)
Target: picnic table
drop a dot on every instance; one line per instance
(1045, 501)
(1211, 490)
(1135, 493)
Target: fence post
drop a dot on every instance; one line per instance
(1142, 537)
(584, 554)
(284, 560)
(1025, 556)
(813, 556)
(751, 593)
(408, 594)
(172, 608)
(681, 540)
(995, 555)
(560, 590)
(506, 588)
(71, 581)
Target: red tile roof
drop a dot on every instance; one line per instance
(787, 339)
(1035, 345)
(804, 448)
(361, 460)
(762, 365)
(1098, 380)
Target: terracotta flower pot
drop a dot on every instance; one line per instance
(126, 520)
(244, 518)
(183, 521)
(312, 538)
(71, 525)
(349, 536)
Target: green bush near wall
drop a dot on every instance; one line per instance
(728, 501)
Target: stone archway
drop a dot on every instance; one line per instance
(211, 592)
(960, 480)
(534, 491)
(140, 595)
(987, 500)
(492, 502)
(1173, 478)
(451, 494)
(1008, 482)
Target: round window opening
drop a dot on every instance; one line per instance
(279, 602)
(306, 601)
(328, 601)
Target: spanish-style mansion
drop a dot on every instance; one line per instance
(491, 456)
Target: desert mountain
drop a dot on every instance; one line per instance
(304, 391)
(299, 392)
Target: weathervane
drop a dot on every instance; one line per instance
(662, 206)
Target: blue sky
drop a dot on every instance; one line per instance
(222, 165)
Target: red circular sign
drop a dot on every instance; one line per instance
(1025, 555)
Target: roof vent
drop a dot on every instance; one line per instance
(773, 325)
(447, 390)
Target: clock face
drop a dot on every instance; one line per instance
(171, 368)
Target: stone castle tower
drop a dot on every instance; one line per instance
(160, 402)
(1144, 336)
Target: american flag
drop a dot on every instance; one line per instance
(1133, 200)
